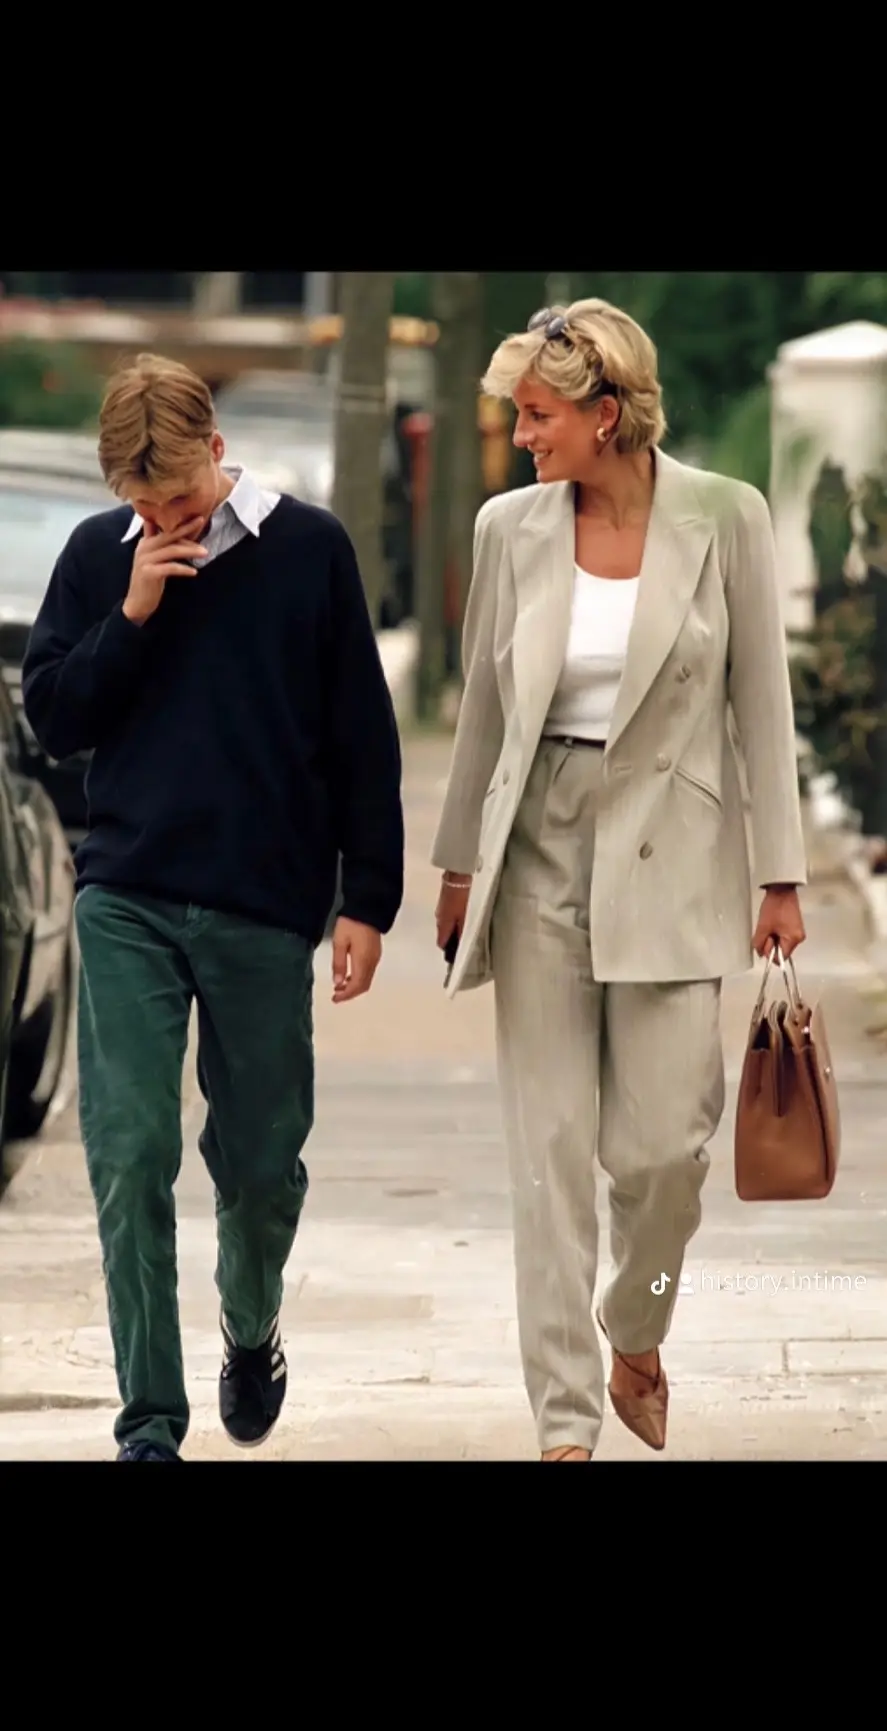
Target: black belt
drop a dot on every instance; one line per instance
(571, 739)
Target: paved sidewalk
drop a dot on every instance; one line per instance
(399, 1313)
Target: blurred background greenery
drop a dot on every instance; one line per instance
(443, 450)
(716, 331)
(47, 384)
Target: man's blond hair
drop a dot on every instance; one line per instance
(156, 423)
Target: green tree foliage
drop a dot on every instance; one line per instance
(716, 333)
(873, 546)
(412, 295)
(834, 297)
(46, 385)
(511, 298)
(743, 446)
(839, 675)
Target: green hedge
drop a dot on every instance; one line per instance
(47, 385)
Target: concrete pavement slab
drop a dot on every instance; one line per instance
(399, 1307)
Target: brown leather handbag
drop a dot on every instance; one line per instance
(788, 1127)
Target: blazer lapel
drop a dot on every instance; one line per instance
(543, 558)
(679, 535)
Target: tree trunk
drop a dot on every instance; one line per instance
(318, 294)
(218, 294)
(467, 486)
(361, 418)
(512, 299)
(455, 481)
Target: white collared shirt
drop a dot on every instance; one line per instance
(242, 513)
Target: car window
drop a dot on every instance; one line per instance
(260, 408)
(8, 738)
(34, 527)
(299, 400)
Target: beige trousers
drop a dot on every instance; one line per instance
(632, 1073)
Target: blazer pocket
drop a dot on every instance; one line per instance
(705, 792)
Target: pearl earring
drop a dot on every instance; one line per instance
(601, 434)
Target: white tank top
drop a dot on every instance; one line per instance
(585, 695)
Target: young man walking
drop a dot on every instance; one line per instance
(210, 643)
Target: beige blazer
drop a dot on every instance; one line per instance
(671, 895)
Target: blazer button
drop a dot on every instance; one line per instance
(663, 762)
(685, 672)
(506, 777)
(646, 850)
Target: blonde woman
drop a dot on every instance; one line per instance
(594, 847)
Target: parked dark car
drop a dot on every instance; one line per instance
(48, 484)
(37, 947)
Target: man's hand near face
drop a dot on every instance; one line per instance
(158, 557)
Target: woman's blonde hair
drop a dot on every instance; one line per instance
(156, 423)
(599, 351)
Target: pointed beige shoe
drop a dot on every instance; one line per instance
(645, 1415)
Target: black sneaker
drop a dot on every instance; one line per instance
(147, 1451)
(252, 1387)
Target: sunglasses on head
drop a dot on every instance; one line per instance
(555, 328)
(554, 324)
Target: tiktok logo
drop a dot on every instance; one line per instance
(658, 1286)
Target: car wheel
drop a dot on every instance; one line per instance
(8, 1166)
(38, 1059)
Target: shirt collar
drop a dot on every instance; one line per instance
(250, 503)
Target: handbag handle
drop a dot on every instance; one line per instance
(787, 969)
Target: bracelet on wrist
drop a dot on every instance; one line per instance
(457, 880)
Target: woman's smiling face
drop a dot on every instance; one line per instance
(560, 435)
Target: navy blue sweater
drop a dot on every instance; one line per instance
(242, 737)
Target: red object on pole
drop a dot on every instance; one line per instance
(417, 428)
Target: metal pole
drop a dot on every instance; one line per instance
(318, 294)
(218, 294)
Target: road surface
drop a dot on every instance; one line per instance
(399, 1310)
